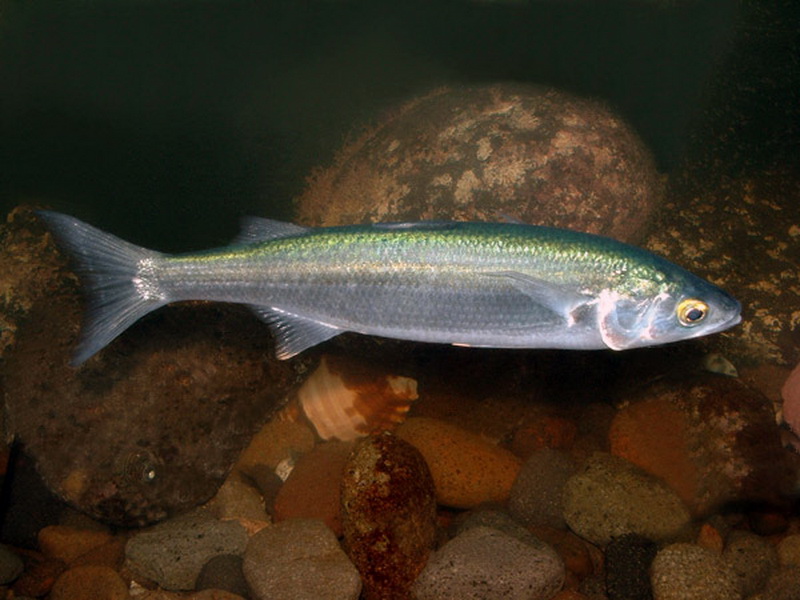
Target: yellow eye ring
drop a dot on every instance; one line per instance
(691, 311)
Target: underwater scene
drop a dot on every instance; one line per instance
(465, 299)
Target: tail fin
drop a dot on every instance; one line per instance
(115, 278)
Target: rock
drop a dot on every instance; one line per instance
(489, 517)
(467, 470)
(67, 543)
(750, 222)
(477, 153)
(536, 496)
(753, 560)
(711, 438)
(111, 554)
(486, 564)
(711, 538)
(612, 497)
(767, 522)
(299, 559)
(140, 593)
(223, 572)
(278, 440)
(238, 499)
(783, 585)
(89, 583)
(628, 560)
(572, 550)
(547, 431)
(790, 393)
(789, 550)
(688, 572)
(580, 558)
(10, 565)
(134, 463)
(38, 577)
(388, 514)
(313, 489)
(173, 553)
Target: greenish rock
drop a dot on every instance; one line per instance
(612, 497)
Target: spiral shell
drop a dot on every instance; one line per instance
(345, 399)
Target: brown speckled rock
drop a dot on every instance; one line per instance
(742, 235)
(388, 514)
(711, 438)
(149, 426)
(478, 153)
(467, 469)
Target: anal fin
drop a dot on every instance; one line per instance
(293, 333)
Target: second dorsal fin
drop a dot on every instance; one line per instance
(259, 229)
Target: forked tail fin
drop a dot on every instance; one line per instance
(117, 276)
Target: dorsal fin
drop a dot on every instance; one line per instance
(417, 225)
(259, 229)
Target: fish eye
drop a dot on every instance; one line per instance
(691, 311)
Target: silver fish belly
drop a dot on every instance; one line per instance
(474, 284)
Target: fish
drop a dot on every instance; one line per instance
(498, 285)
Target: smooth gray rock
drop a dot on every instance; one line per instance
(536, 496)
(299, 559)
(173, 553)
(486, 564)
(612, 497)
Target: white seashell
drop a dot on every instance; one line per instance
(346, 400)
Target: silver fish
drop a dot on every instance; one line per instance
(502, 285)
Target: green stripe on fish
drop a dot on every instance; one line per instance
(500, 285)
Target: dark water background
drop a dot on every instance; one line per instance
(164, 121)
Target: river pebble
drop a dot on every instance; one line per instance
(10, 565)
(710, 438)
(173, 553)
(486, 564)
(784, 584)
(753, 559)
(299, 559)
(536, 496)
(612, 497)
(312, 490)
(467, 469)
(689, 572)
(68, 543)
(223, 572)
(628, 560)
(388, 514)
(89, 583)
(789, 550)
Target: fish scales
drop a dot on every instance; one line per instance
(480, 284)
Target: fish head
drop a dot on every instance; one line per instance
(684, 308)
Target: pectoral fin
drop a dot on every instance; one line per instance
(293, 333)
(559, 299)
